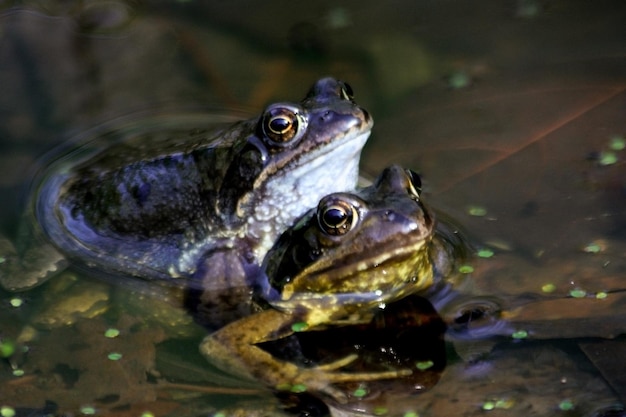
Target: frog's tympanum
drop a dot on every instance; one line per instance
(153, 209)
(337, 266)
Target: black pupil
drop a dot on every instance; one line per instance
(280, 124)
(334, 217)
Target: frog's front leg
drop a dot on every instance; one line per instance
(233, 349)
(38, 262)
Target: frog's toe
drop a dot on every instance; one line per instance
(321, 381)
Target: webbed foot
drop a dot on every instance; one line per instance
(323, 379)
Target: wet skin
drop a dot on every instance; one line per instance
(156, 207)
(337, 266)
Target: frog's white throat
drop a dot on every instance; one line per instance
(325, 172)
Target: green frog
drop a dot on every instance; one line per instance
(339, 265)
(153, 206)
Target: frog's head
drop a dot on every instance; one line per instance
(356, 250)
(296, 153)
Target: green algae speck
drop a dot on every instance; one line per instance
(477, 211)
(111, 333)
(360, 392)
(6, 411)
(520, 334)
(466, 269)
(566, 405)
(88, 410)
(7, 348)
(298, 388)
(424, 365)
(593, 247)
(299, 327)
(16, 302)
(607, 158)
(489, 405)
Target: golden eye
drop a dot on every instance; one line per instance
(337, 217)
(280, 124)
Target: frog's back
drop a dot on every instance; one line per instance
(137, 216)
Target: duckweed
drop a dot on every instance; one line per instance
(6, 411)
(477, 211)
(519, 334)
(16, 302)
(422, 366)
(299, 327)
(88, 410)
(489, 405)
(578, 293)
(459, 79)
(360, 392)
(111, 333)
(7, 348)
(298, 388)
(607, 158)
(593, 247)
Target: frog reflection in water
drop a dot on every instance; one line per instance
(152, 207)
(337, 266)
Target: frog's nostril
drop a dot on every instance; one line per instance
(366, 115)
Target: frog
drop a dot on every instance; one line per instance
(152, 206)
(339, 265)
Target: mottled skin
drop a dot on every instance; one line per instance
(340, 263)
(154, 207)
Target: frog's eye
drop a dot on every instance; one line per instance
(337, 217)
(346, 91)
(415, 183)
(281, 124)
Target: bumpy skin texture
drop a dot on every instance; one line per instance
(337, 266)
(159, 207)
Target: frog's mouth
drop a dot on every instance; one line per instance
(376, 280)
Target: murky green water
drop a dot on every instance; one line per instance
(513, 112)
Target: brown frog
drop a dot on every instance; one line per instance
(155, 205)
(339, 265)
